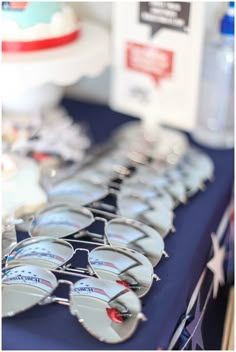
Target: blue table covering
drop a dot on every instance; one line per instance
(52, 327)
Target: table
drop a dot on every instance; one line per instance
(53, 328)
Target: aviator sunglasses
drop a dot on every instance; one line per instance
(121, 265)
(60, 221)
(107, 310)
(80, 192)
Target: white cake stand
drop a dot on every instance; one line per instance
(33, 81)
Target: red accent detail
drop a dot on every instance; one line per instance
(158, 63)
(117, 236)
(100, 291)
(21, 5)
(114, 315)
(40, 156)
(123, 282)
(13, 47)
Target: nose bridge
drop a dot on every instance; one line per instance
(65, 282)
(101, 219)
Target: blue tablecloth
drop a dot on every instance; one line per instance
(53, 328)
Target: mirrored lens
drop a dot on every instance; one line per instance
(135, 235)
(177, 190)
(108, 310)
(192, 181)
(60, 221)
(184, 182)
(95, 174)
(160, 218)
(139, 189)
(200, 162)
(169, 142)
(131, 206)
(25, 286)
(123, 266)
(77, 192)
(158, 183)
(45, 252)
(151, 175)
(111, 163)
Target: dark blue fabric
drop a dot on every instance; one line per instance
(229, 256)
(212, 323)
(53, 328)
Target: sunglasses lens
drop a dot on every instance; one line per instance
(201, 163)
(192, 181)
(60, 221)
(124, 266)
(138, 189)
(160, 218)
(48, 253)
(108, 310)
(77, 192)
(151, 176)
(25, 286)
(131, 206)
(96, 175)
(137, 236)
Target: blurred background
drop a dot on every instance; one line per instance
(98, 89)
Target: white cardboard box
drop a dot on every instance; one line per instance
(157, 51)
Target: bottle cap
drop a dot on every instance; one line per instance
(227, 22)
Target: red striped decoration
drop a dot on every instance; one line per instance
(13, 47)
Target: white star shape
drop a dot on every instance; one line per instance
(216, 265)
(195, 327)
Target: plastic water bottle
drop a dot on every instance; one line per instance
(215, 122)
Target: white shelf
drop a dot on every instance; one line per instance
(88, 56)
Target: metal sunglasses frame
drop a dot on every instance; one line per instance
(17, 256)
(74, 185)
(48, 298)
(148, 232)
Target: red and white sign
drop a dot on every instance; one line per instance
(157, 51)
(158, 63)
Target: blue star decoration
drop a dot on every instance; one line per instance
(195, 328)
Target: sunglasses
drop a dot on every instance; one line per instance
(107, 310)
(121, 265)
(194, 170)
(144, 190)
(150, 174)
(60, 221)
(169, 146)
(80, 192)
(171, 180)
(181, 180)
